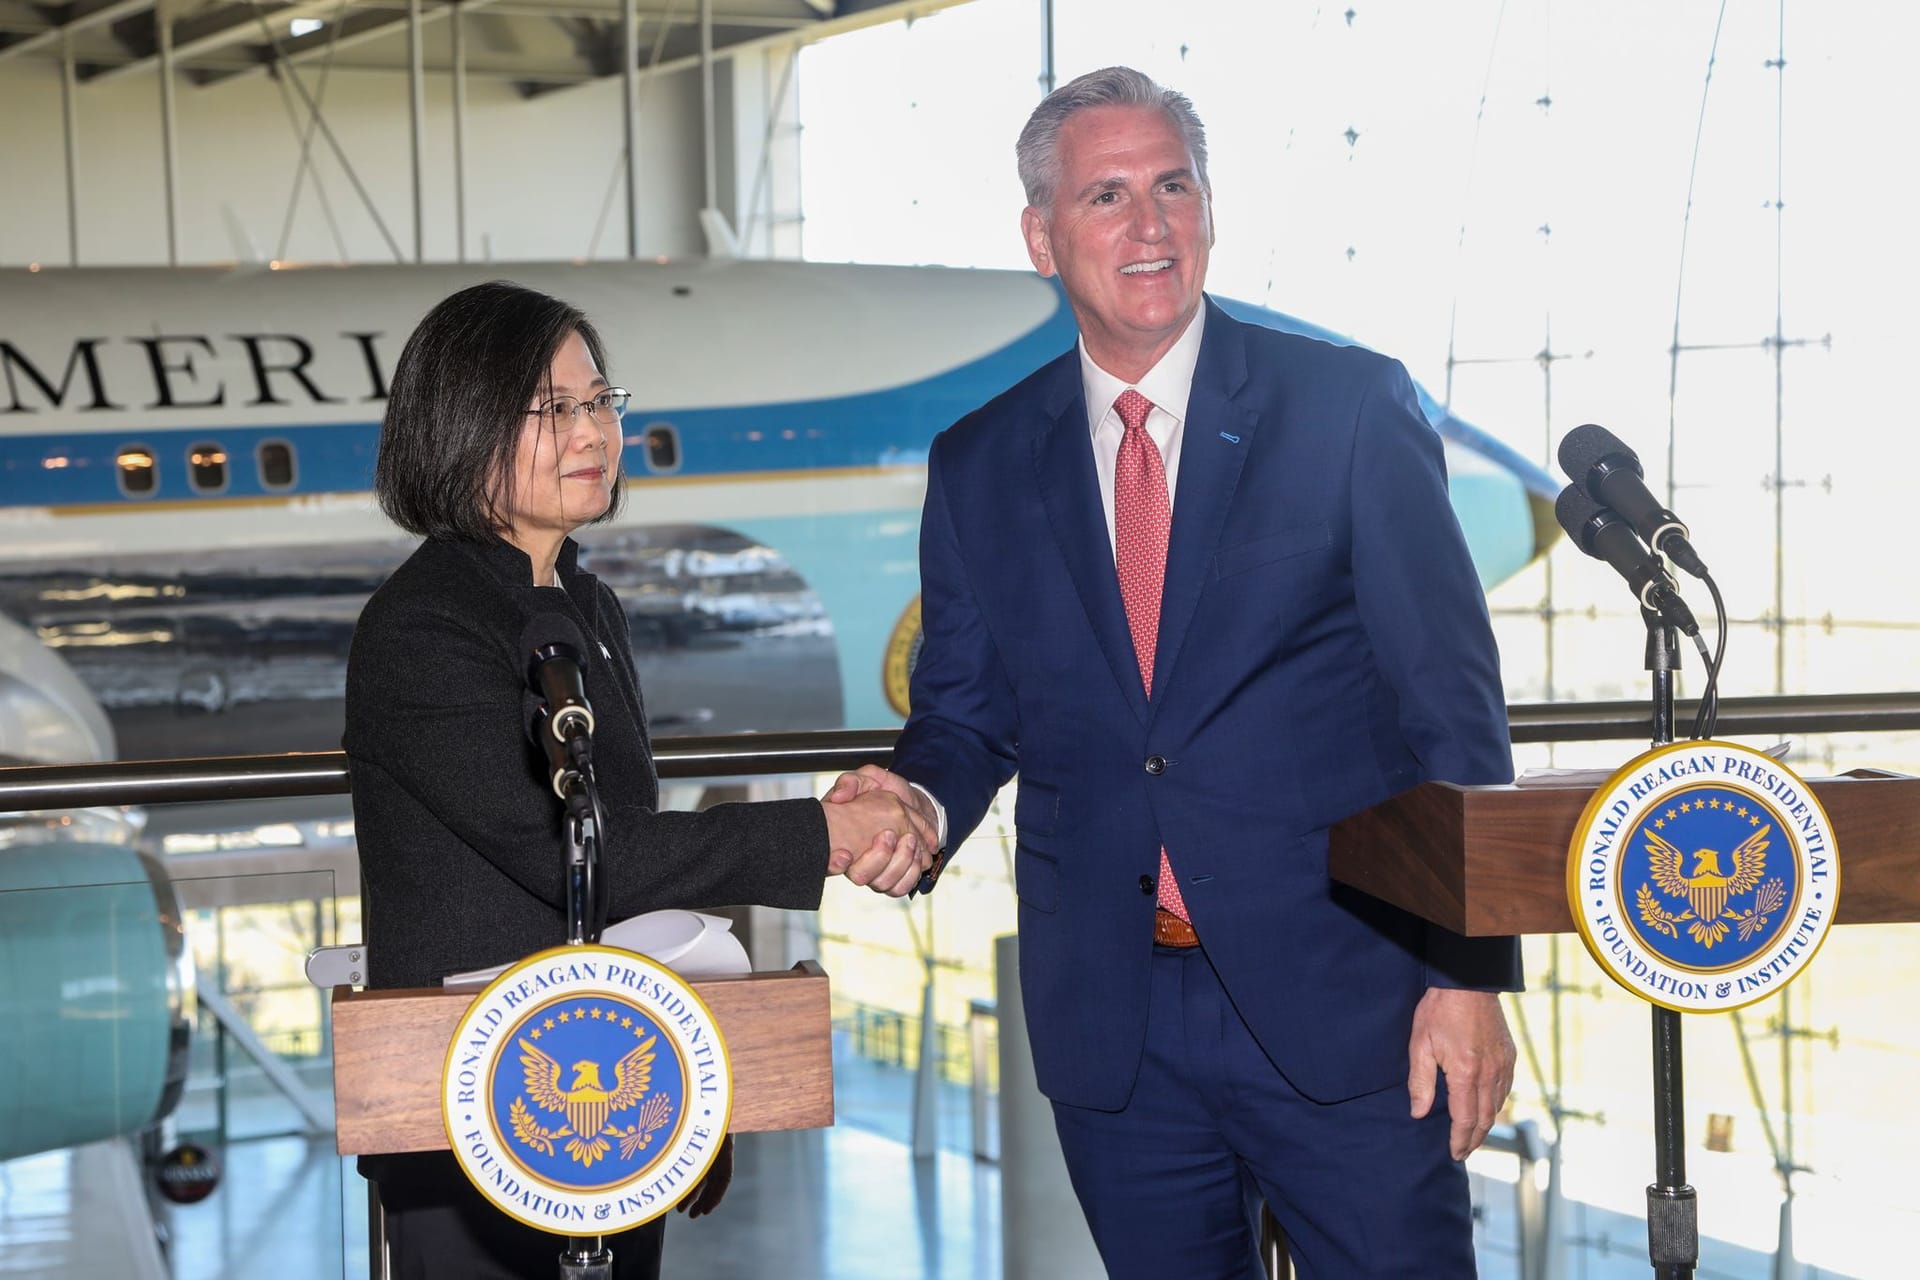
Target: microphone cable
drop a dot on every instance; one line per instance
(1708, 714)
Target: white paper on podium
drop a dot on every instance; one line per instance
(691, 943)
(1596, 777)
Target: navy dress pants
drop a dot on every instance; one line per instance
(1170, 1183)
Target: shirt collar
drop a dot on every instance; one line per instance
(1168, 384)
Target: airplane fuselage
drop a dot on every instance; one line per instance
(185, 458)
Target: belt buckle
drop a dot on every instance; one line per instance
(1169, 930)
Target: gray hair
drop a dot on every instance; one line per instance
(1037, 150)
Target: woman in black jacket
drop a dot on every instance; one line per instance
(502, 436)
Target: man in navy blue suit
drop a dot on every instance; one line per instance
(1200, 585)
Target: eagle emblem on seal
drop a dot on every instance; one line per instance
(587, 1104)
(1709, 890)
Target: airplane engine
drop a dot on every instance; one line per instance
(95, 989)
(95, 976)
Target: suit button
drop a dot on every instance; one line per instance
(1146, 885)
(1156, 765)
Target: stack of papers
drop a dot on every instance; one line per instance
(692, 944)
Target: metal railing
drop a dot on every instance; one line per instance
(886, 1035)
(83, 786)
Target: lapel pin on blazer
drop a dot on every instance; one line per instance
(1229, 438)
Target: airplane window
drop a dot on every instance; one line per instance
(207, 467)
(662, 447)
(276, 464)
(136, 471)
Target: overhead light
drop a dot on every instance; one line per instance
(304, 27)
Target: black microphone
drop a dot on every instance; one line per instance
(554, 645)
(1605, 535)
(568, 782)
(1609, 472)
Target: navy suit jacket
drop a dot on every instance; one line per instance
(1323, 645)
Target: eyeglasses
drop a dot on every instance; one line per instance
(560, 414)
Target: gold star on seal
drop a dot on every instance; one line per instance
(596, 1013)
(548, 1024)
(538, 1033)
(1743, 811)
(1670, 815)
(1754, 821)
(579, 1014)
(1659, 823)
(564, 1016)
(626, 1022)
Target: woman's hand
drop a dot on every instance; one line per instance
(706, 1197)
(876, 840)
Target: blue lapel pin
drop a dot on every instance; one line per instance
(1230, 439)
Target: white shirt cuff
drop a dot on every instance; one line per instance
(939, 810)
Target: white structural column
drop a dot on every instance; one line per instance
(70, 128)
(169, 157)
(630, 116)
(417, 110)
(459, 29)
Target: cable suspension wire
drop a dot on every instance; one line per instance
(1686, 226)
(305, 163)
(1466, 200)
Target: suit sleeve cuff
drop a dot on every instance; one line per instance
(1472, 964)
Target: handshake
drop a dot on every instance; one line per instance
(882, 833)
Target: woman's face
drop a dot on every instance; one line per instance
(563, 471)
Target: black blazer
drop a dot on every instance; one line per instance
(459, 831)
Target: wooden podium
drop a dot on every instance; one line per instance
(1493, 860)
(389, 1046)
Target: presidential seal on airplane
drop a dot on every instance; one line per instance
(586, 1090)
(1703, 876)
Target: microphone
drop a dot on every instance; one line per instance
(568, 782)
(1605, 535)
(1609, 472)
(554, 646)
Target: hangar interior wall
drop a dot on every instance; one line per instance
(543, 175)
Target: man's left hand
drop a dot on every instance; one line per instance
(1464, 1034)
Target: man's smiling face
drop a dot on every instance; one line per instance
(1128, 233)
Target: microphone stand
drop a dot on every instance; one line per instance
(584, 1257)
(1673, 1228)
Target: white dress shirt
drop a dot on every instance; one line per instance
(1168, 385)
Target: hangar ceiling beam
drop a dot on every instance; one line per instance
(239, 24)
(92, 18)
(236, 24)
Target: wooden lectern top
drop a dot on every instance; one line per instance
(389, 1046)
(1493, 860)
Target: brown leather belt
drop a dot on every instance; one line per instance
(1169, 930)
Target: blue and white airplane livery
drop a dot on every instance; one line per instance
(185, 458)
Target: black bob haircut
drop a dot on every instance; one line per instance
(458, 405)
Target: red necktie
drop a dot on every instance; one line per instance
(1142, 521)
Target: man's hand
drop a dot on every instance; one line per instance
(706, 1197)
(875, 838)
(1464, 1034)
(871, 777)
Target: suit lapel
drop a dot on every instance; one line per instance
(1214, 446)
(1070, 491)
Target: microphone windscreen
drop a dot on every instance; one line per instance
(1584, 446)
(545, 629)
(1574, 509)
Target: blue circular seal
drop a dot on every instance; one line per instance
(586, 1090)
(1703, 876)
